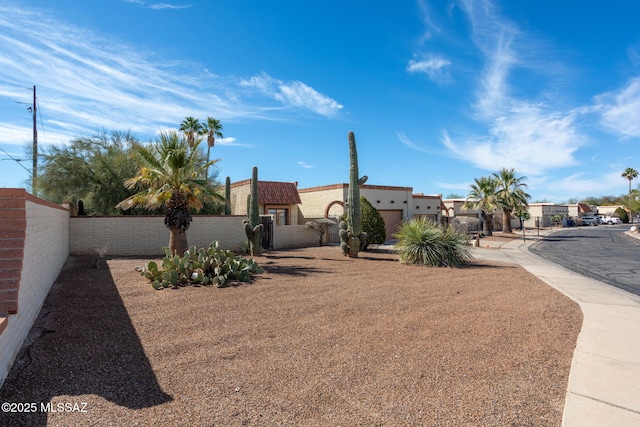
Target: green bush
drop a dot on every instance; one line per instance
(422, 242)
(372, 223)
(200, 267)
(624, 217)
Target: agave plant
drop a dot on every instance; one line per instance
(422, 242)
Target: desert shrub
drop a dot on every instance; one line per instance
(624, 217)
(422, 242)
(372, 223)
(200, 267)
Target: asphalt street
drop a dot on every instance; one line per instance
(603, 253)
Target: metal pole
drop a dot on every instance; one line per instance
(34, 178)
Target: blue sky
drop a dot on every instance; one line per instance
(437, 92)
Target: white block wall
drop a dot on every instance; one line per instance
(46, 249)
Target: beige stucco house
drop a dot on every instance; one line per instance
(277, 199)
(395, 204)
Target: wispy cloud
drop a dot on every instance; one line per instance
(406, 141)
(159, 6)
(523, 133)
(620, 110)
(86, 82)
(294, 94)
(434, 66)
(529, 139)
(305, 165)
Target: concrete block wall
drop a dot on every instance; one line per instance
(147, 235)
(294, 236)
(38, 232)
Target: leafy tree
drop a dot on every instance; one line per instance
(630, 174)
(372, 223)
(92, 169)
(624, 217)
(483, 196)
(321, 226)
(454, 196)
(170, 178)
(511, 195)
(522, 213)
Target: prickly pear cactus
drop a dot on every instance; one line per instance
(252, 226)
(351, 234)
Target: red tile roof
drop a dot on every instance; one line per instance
(584, 207)
(274, 193)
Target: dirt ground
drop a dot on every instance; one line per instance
(318, 340)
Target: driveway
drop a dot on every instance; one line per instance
(603, 253)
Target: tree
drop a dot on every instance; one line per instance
(192, 129)
(170, 178)
(511, 195)
(630, 174)
(92, 169)
(482, 195)
(321, 226)
(372, 223)
(213, 129)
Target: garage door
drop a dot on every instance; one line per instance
(392, 219)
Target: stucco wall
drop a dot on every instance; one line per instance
(45, 250)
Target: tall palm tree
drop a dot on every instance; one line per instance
(511, 195)
(482, 195)
(169, 178)
(192, 129)
(630, 174)
(213, 129)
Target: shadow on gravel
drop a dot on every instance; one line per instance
(82, 342)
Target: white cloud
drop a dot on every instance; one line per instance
(305, 165)
(620, 110)
(87, 82)
(433, 66)
(406, 141)
(294, 94)
(527, 139)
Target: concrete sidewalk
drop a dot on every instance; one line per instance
(604, 383)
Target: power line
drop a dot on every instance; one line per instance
(18, 161)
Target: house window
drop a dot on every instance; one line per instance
(280, 215)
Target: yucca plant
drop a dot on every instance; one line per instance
(422, 242)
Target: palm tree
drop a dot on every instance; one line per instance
(630, 174)
(213, 129)
(169, 178)
(511, 195)
(192, 129)
(482, 195)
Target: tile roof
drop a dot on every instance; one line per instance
(278, 193)
(584, 207)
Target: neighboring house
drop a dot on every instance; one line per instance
(581, 209)
(543, 212)
(608, 210)
(277, 199)
(395, 204)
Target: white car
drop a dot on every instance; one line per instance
(609, 220)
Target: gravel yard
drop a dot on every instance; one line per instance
(318, 340)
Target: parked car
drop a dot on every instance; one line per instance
(606, 219)
(590, 220)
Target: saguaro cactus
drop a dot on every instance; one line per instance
(351, 235)
(227, 196)
(252, 225)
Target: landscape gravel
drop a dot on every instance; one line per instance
(317, 340)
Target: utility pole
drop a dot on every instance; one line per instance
(35, 145)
